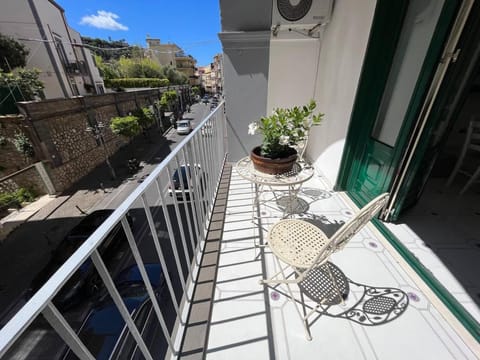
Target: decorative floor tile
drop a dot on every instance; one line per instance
(251, 322)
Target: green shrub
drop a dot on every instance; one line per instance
(128, 126)
(25, 195)
(23, 145)
(136, 82)
(168, 99)
(8, 200)
(16, 198)
(145, 117)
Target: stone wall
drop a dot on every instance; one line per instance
(11, 160)
(57, 129)
(28, 178)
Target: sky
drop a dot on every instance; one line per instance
(192, 25)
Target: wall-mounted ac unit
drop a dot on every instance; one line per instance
(303, 14)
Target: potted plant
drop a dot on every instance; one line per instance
(281, 132)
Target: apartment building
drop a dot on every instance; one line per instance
(217, 70)
(187, 65)
(66, 66)
(164, 54)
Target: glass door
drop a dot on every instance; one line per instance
(405, 45)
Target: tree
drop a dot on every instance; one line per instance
(168, 99)
(12, 53)
(107, 70)
(126, 126)
(116, 48)
(174, 76)
(139, 68)
(145, 117)
(26, 80)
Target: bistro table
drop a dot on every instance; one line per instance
(291, 180)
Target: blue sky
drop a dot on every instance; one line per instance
(192, 25)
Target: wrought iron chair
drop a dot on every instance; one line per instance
(300, 247)
(472, 143)
(301, 147)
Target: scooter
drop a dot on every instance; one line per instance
(133, 165)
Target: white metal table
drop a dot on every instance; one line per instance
(292, 180)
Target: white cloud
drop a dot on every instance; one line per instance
(103, 20)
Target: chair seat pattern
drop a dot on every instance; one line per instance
(297, 242)
(319, 287)
(371, 306)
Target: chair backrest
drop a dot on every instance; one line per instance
(355, 224)
(301, 147)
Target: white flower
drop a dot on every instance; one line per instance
(283, 140)
(252, 128)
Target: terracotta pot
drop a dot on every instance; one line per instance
(272, 166)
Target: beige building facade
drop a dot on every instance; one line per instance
(163, 54)
(66, 67)
(187, 65)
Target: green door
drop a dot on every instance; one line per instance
(405, 46)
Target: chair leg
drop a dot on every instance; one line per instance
(274, 280)
(303, 317)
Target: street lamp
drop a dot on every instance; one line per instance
(97, 132)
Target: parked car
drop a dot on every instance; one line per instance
(183, 174)
(184, 127)
(205, 99)
(105, 333)
(85, 281)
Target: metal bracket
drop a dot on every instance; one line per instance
(451, 56)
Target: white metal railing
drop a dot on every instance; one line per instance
(204, 150)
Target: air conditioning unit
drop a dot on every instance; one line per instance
(304, 14)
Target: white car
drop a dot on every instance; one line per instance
(184, 127)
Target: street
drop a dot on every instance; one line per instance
(25, 254)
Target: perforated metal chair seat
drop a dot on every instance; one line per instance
(326, 284)
(297, 242)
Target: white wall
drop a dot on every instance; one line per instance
(53, 22)
(245, 63)
(17, 20)
(341, 58)
(338, 53)
(292, 69)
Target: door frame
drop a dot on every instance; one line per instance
(388, 20)
(374, 74)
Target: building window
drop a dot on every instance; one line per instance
(61, 50)
(74, 87)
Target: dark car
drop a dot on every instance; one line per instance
(185, 173)
(104, 331)
(85, 281)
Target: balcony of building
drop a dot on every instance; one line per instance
(208, 235)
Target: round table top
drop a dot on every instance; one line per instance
(298, 175)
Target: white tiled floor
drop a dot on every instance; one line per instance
(250, 321)
(443, 231)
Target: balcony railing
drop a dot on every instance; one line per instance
(172, 221)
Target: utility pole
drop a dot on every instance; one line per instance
(97, 131)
